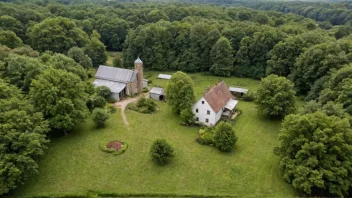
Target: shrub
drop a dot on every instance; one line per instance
(117, 61)
(250, 96)
(104, 92)
(187, 116)
(145, 89)
(206, 136)
(99, 117)
(144, 105)
(112, 100)
(161, 151)
(224, 137)
(99, 102)
(112, 109)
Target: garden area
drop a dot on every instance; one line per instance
(74, 164)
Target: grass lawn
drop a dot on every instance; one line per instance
(74, 164)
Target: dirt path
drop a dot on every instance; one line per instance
(123, 104)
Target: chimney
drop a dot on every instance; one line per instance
(138, 65)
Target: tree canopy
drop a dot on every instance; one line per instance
(180, 92)
(61, 97)
(275, 96)
(22, 137)
(316, 153)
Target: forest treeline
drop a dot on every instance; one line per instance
(47, 48)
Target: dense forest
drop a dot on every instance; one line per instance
(47, 48)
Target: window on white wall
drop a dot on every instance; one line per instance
(197, 119)
(208, 112)
(196, 110)
(203, 102)
(207, 120)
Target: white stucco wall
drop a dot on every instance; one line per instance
(202, 113)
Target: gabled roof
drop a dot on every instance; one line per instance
(164, 76)
(116, 74)
(157, 90)
(218, 96)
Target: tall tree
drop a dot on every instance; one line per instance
(10, 39)
(21, 70)
(78, 55)
(95, 49)
(57, 35)
(180, 92)
(22, 138)
(61, 97)
(316, 153)
(316, 62)
(221, 55)
(276, 96)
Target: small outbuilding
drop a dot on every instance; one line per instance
(164, 76)
(157, 93)
(238, 91)
(145, 83)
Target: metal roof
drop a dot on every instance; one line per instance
(138, 60)
(164, 76)
(231, 104)
(115, 87)
(146, 80)
(116, 74)
(238, 89)
(157, 90)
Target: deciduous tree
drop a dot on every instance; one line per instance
(316, 153)
(22, 137)
(61, 97)
(276, 96)
(180, 92)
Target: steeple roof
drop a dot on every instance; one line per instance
(138, 60)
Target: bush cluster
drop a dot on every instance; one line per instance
(99, 116)
(143, 105)
(250, 96)
(206, 136)
(222, 136)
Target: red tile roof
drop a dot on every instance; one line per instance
(218, 96)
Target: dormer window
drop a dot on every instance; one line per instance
(202, 101)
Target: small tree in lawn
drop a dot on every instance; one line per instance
(224, 137)
(99, 117)
(276, 96)
(161, 151)
(187, 116)
(180, 92)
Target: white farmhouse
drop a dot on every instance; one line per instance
(216, 102)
